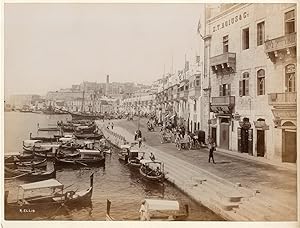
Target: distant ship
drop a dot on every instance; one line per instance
(54, 111)
(85, 116)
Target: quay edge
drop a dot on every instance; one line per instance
(230, 201)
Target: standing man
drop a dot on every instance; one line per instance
(144, 212)
(212, 148)
(152, 157)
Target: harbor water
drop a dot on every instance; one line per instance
(114, 181)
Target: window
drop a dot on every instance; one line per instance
(224, 90)
(244, 85)
(290, 78)
(260, 33)
(261, 82)
(289, 18)
(195, 106)
(245, 38)
(225, 44)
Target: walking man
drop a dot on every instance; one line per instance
(212, 148)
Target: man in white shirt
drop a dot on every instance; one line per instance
(144, 212)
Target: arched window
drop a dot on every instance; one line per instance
(290, 78)
(261, 82)
(244, 85)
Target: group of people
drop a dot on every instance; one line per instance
(182, 136)
(110, 124)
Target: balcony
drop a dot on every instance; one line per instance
(176, 96)
(183, 95)
(222, 105)
(195, 92)
(281, 47)
(283, 99)
(224, 63)
(284, 107)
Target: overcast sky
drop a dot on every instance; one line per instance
(52, 46)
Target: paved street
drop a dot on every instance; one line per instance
(270, 180)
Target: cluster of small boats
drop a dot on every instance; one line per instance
(80, 144)
(150, 169)
(59, 152)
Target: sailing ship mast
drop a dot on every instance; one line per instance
(82, 104)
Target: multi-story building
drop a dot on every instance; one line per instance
(18, 101)
(138, 103)
(250, 79)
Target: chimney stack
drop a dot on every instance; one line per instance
(107, 85)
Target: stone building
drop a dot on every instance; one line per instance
(251, 79)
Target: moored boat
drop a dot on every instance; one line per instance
(27, 175)
(95, 136)
(32, 204)
(18, 157)
(124, 153)
(156, 210)
(87, 158)
(152, 170)
(85, 116)
(31, 164)
(134, 158)
(48, 129)
(36, 146)
(44, 139)
(86, 128)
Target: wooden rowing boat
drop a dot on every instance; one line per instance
(30, 206)
(152, 170)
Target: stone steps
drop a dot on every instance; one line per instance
(253, 211)
(271, 212)
(223, 197)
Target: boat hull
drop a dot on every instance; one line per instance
(159, 178)
(36, 149)
(46, 209)
(48, 206)
(77, 163)
(88, 136)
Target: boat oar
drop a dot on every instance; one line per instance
(81, 163)
(11, 178)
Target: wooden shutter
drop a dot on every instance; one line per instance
(220, 90)
(241, 88)
(228, 90)
(246, 87)
(239, 139)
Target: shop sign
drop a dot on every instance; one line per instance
(237, 117)
(230, 21)
(261, 125)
